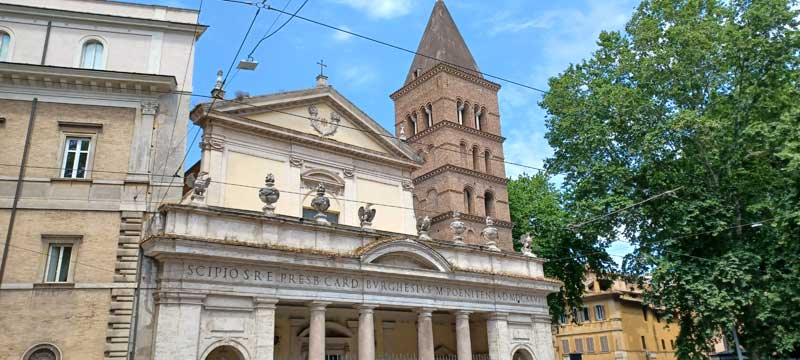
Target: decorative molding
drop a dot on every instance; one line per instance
(442, 67)
(408, 186)
(211, 142)
(457, 126)
(348, 173)
(324, 126)
(448, 216)
(94, 127)
(460, 170)
(149, 107)
(296, 162)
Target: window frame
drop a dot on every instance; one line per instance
(65, 150)
(601, 312)
(333, 216)
(9, 46)
(48, 346)
(81, 49)
(585, 314)
(565, 346)
(50, 240)
(578, 345)
(604, 341)
(590, 345)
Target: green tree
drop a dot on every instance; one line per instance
(537, 209)
(702, 96)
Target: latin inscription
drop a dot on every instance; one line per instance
(280, 278)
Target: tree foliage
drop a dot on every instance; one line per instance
(537, 208)
(702, 96)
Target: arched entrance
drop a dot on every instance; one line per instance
(339, 341)
(522, 354)
(225, 352)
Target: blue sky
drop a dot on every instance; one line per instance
(524, 40)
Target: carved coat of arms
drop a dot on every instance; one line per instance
(324, 126)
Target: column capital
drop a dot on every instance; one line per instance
(425, 311)
(365, 307)
(462, 313)
(149, 107)
(265, 303)
(318, 305)
(502, 316)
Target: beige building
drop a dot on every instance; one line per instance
(614, 324)
(91, 111)
(297, 238)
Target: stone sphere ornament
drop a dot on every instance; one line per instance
(424, 228)
(269, 195)
(458, 228)
(320, 203)
(490, 234)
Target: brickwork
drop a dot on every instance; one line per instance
(456, 174)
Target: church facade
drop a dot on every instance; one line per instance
(308, 231)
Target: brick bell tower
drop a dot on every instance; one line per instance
(449, 114)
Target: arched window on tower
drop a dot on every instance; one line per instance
(468, 200)
(412, 125)
(488, 203)
(463, 150)
(429, 114)
(414, 120)
(460, 111)
(487, 158)
(476, 158)
(479, 117)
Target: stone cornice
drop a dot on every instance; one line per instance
(444, 217)
(454, 125)
(456, 169)
(452, 70)
(71, 79)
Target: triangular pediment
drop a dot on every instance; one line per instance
(321, 114)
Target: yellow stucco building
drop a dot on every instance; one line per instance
(614, 324)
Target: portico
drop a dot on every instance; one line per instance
(237, 282)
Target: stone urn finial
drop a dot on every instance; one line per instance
(490, 235)
(526, 245)
(321, 204)
(366, 215)
(424, 227)
(458, 228)
(269, 195)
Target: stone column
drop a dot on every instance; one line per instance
(178, 326)
(425, 334)
(366, 332)
(463, 341)
(265, 328)
(316, 333)
(499, 340)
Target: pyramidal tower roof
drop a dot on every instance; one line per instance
(442, 41)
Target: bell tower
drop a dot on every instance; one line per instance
(449, 114)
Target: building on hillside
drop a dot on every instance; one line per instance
(298, 237)
(450, 115)
(614, 324)
(91, 110)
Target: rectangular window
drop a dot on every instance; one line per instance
(590, 345)
(576, 316)
(5, 41)
(663, 345)
(672, 344)
(563, 318)
(644, 343)
(599, 312)
(644, 312)
(308, 214)
(579, 346)
(76, 157)
(586, 314)
(565, 346)
(604, 344)
(58, 263)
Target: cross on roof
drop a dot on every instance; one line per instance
(322, 67)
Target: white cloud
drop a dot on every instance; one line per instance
(356, 76)
(342, 36)
(380, 9)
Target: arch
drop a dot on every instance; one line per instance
(487, 159)
(224, 349)
(429, 114)
(460, 109)
(463, 149)
(488, 203)
(432, 199)
(468, 208)
(412, 124)
(330, 328)
(522, 352)
(479, 110)
(409, 249)
(93, 54)
(467, 114)
(332, 181)
(42, 351)
(476, 163)
(6, 42)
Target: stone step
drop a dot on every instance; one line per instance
(118, 333)
(119, 319)
(121, 305)
(124, 278)
(117, 347)
(123, 292)
(128, 253)
(125, 239)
